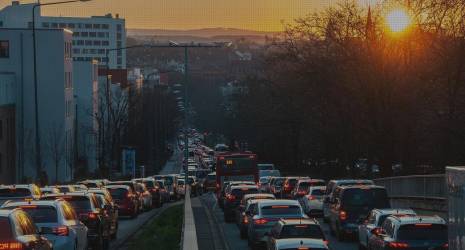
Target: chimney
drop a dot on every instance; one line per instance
(15, 3)
(117, 16)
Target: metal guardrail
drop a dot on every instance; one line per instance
(415, 186)
(189, 233)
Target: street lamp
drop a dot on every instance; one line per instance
(36, 108)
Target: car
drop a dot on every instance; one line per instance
(154, 189)
(256, 196)
(410, 232)
(292, 228)
(170, 184)
(246, 216)
(352, 204)
(288, 186)
(301, 188)
(17, 231)
(89, 212)
(194, 184)
(312, 203)
(135, 191)
(331, 186)
(233, 199)
(181, 189)
(91, 183)
(265, 166)
(221, 196)
(110, 207)
(164, 194)
(266, 214)
(19, 192)
(276, 184)
(56, 220)
(300, 244)
(375, 219)
(70, 188)
(145, 195)
(264, 184)
(126, 199)
(209, 183)
(49, 190)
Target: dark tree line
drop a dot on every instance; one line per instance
(338, 86)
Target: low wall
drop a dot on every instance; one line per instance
(189, 233)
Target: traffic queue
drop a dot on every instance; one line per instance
(77, 216)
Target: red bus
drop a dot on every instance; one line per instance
(233, 166)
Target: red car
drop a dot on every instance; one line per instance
(126, 199)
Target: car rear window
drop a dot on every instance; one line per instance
(239, 193)
(422, 232)
(169, 180)
(41, 214)
(79, 203)
(278, 182)
(292, 182)
(14, 192)
(318, 192)
(281, 210)
(302, 231)
(5, 229)
(160, 183)
(91, 185)
(118, 193)
(149, 184)
(361, 197)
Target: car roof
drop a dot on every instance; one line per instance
(406, 220)
(361, 187)
(351, 180)
(393, 211)
(117, 186)
(263, 203)
(243, 186)
(52, 203)
(300, 242)
(17, 186)
(6, 212)
(247, 196)
(299, 222)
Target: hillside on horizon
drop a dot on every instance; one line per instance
(205, 32)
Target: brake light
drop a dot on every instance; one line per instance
(230, 197)
(260, 221)
(245, 220)
(28, 206)
(11, 245)
(445, 246)
(423, 225)
(311, 197)
(61, 231)
(92, 215)
(326, 242)
(398, 245)
(343, 215)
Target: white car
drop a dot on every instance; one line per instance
(57, 221)
(299, 243)
(375, 219)
(312, 203)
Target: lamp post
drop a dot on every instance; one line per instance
(36, 106)
(186, 47)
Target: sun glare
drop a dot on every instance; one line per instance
(398, 20)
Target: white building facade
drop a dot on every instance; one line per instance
(92, 36)
(55, 99)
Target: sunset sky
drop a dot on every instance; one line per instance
(263, 15)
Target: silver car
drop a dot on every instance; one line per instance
(57, 221)
(299, 243)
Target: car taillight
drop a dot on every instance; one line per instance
(342, 215)
(302, 193)
(245, 220)
(287, 187)
(92, 215)
(326, 242)
(260, 221)
(61, 231)
(230, 197)
(398, 245)
(311, 197)
(445, 246)
(11, 245)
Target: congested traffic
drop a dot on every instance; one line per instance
(272, 211)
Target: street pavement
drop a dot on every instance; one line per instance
(128, 227)
(228, 233)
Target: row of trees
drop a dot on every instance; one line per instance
(339, 85)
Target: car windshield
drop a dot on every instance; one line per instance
(5, 229)
(41, 214)
(302, 231)
(118, 193)
(360, 197)
(14, 192)
(422, 232)
(276, 210)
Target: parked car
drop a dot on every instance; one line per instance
(351, 205)
(266, 214)
(126, 199)
(19, 192)
(87, 208)
(312, 203)
(289, 229)
(17, 231)
(110, 207)
(332, 185)
(57, 221)
(375, 219)
(233, 199)
(406, 232)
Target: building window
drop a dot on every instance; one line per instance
(4, 49)
(54, 25)
(76, 51)
(119, 60)
(80, 25)
(105, 26)
(107, 34)
(88, 42)
(92, 34)
(101, 34)
(76, 34)
(92, 51)
(118, 44)
(105, 43)
(97, 43)
(71, 25)
(119, 27)
(118, 36)
(62, 25)
(80, 42)
(119, 53)
(101, 51)
(88, 26)
(84, 34)
(96, 26)
(45, 25)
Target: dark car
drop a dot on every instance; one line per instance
(301, 228)
(195, 189)
(136, 190)
(126, 199)
(19, 192)
(276, 184)
(288, 186)
(88, 209)
(209, 183)
(110, 207)
(233, 198)
(17, 231)
(170, 184)
(352, 204)
(164, 194)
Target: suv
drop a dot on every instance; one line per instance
(57, 221)
(332, 185)
(125, 198)
(19, 192)
(351, 205)
(87, 207)
(17, 231)
(375, 219)
(266, 214)
(410, 232)
(287, 229)
(233, 198)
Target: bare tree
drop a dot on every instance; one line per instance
(56, 147)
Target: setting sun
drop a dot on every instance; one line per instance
(398, 20)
